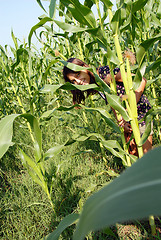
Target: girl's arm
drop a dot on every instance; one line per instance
(140, 90)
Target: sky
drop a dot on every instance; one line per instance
(20, 16)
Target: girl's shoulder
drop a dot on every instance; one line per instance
(105, 70)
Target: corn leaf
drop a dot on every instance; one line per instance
(138, 5)
(37, 132)
(81, 13)
(154, 65)
(88, 3)
(38, 25)
(67, 86)
(19, 53)
(144, 46)
(107, 3)
(14, 39)
(115, 21)
(27, 161)
(105, 114)
(148, 120)
(66, 222)
(112, 57)
(111, 145)
(102, 111)
(40, 4)
(6, 132)
(115, 102)
(53, 151)
(69, 28)
(133, 195)
(52, 8)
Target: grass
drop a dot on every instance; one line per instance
(25, 210)
(77, 172)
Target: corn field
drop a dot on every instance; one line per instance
(41, 128)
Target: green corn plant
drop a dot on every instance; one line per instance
(35, 166)
(103, 208)
(99, 36)
(103, 112)
(115, 24)
(32, 83)
(127, 80)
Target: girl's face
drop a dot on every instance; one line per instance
(79, 78)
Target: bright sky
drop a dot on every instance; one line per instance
(21, 16)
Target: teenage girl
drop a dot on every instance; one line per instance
(86, 77)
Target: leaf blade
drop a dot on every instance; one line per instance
(137, 190)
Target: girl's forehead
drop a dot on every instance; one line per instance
(72, 74)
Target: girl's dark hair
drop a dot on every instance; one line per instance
(78, 96)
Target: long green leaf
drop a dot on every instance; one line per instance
(66, 222)
(111, 145)
(69, 28)
(115, 103)
(81, 13)
(144, 46)
(52, 8)
(148, 121)
(36, 130)
(38, 25)
(107, 3)
(154, 65)
(115, 21)
(102, 111)
(105, 115)
(6, 132)
(53, 151)
(19, 53)
(67, 86)
(138, 5)
(40, 4)
(27, 161)
(14, 39)
(112, 57)
(133, 195)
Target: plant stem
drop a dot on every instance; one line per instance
(22, 109)
(118, 116)
(79, 44)
(131, 106)
(157, 116)
(28, 86)
(99, 14)
(152, 225)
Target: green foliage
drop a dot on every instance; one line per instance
(69, 151)
(137, 190)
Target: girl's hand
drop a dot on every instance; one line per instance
(125, 125)
(127, 128)
(121, 122)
